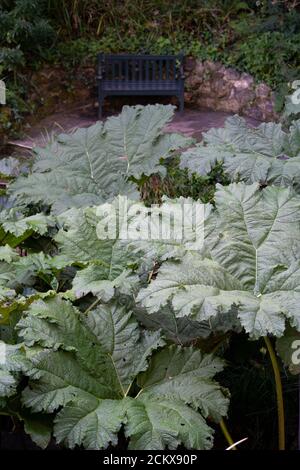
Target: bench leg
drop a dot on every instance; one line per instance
(181, 103)
(101, 102)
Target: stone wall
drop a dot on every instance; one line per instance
(208, 85)
(53, 88)
(213, 86)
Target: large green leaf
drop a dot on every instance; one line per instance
(12, 361)
(197, 287)
(185, 374)
(15, 227)
(265, 153)
(56, 324)
(180, 330)
(9, 369)
(103, 372)
(19, 274)
(12, 167)
(105, 258)
(159, 423)
(5, 294)
(38, 427)
(174, 227)
(8, 383)
(254, 271)
(93, 164)
(91, 422)
(110, 240)
(8, 254)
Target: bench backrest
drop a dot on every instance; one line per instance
(129, 67)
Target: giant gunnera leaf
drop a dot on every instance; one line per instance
(265, 153)
(91, 238)
(9, 371)
(252, 271)
(99, 372)
(15, 227)
(94, 164)
(114, 241)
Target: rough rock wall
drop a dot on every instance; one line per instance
(208, 85)
(53, 88)
(213, 86)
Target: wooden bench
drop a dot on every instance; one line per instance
(128, 74)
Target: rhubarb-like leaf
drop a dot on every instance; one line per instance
(253, 240)
(265, 153)
(94, 164)
(103, 372)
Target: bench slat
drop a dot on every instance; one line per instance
(160, 70)
(132, 74)
(167, 70)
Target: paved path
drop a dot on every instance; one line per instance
(191, 123)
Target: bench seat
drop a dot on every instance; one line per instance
(114, 85)
(120, 74)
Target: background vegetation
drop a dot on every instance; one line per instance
(259, 37)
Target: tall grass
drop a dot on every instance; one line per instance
(94, 16)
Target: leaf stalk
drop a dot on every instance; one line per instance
(227, 434)
(279, 394)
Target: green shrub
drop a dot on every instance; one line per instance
(261, 38)
(270, 57)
